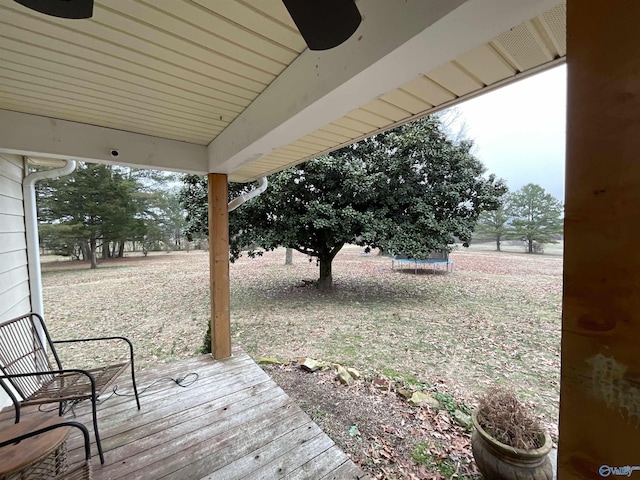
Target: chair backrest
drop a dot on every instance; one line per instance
(25, 347)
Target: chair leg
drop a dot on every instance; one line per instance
(95, 429)
(135, 388)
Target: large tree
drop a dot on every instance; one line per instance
(315, 208)
(95, 204)
(410, 190)
(431, 189)
(537, 216)
(495, 224)
(108, 206)
(193, 199)
(163, 217)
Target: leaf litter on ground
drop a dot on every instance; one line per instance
(494, 320)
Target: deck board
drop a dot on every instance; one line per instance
(233, 423)
(273, 456)
(322, 464)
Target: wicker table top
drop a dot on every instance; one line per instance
(14, 458)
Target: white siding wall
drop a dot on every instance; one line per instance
(14, 276)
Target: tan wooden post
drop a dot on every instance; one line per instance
(600, 388)
(219, 265)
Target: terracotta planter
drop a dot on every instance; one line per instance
(497, 461)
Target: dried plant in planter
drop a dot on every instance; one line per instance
(508, 441)
(509, 421)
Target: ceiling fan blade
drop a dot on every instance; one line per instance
(61, 8)
(324, 24)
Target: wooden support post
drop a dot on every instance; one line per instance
(600, 388)
(219, 265)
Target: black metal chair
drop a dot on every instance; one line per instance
(32, 373)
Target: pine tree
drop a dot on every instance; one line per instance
(537, 216)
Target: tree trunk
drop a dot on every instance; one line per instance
(92, 251)
(325, 282)
(498, 244)
(288, 256)
(84, 248)
(121, 249)
(530, 246)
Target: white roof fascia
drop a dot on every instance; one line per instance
(392, 46)
(36, 136)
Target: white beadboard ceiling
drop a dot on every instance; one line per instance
(184, 70)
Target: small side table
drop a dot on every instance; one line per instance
(41, 456)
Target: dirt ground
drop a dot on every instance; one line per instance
(494, 320)
(380, 430)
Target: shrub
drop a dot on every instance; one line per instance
(206, 341)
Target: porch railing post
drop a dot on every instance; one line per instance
(219, 265)
(600, 385)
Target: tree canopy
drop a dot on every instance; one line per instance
(530, 215)
(410, 190)
(537, 216)
(93, 203)
(102, 205)
(496, 224)
(430, 189)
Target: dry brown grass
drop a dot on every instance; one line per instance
(495, 320)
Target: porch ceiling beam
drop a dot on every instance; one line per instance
(391, 47)
(36, 136)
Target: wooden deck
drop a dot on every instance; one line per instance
(233, 423)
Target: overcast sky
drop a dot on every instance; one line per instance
(519, 131)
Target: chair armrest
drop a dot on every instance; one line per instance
(33, 433)
(96, 339)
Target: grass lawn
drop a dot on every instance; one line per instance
(495, 319)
